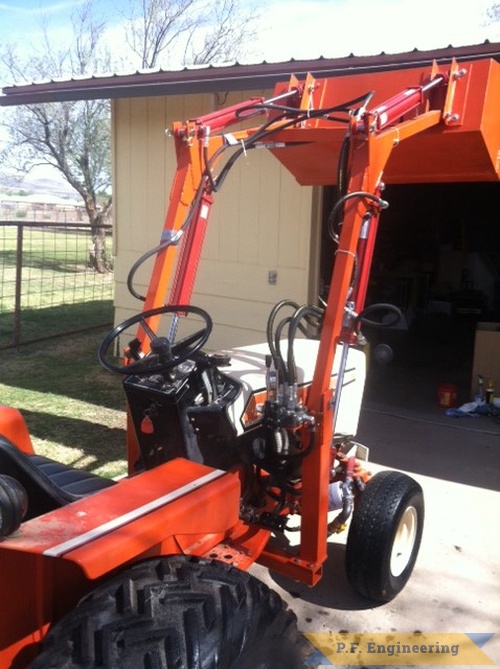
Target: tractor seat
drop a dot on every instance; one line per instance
(49, 484)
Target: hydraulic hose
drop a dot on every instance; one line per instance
(299, 315)
(171, 241)
(278, 360)
(383, 204)
(391, 308)
(266, 130)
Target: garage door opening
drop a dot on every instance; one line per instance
(437, 258)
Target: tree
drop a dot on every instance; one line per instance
(72, 137)
(166, 33)
(152, 28)
(493, 13)
(226, 32)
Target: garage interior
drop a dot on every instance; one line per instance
(437, 257)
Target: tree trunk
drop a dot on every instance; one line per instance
(97, 255)
(98, 260)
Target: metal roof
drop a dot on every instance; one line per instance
(229, 77)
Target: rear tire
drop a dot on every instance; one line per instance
(384, 536)
(176, 613)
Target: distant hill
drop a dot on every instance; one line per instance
(36, 183)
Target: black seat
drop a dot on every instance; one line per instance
(49, 484)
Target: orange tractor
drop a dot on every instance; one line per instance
(229, 453)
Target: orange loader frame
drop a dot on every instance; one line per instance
(438, 101)
(185, 507)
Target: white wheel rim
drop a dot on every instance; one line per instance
(404, 541)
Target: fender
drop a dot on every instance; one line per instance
(70, 549)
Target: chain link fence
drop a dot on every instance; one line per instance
(47, 287)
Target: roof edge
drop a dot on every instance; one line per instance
(229, 77)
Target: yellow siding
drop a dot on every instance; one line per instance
(261, 221)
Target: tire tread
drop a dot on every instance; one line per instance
(373, 525)
(172, 613)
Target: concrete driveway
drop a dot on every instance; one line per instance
(455, 586)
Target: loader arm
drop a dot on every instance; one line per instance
(191, 199)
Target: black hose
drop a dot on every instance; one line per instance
(342, 200)
(282, 370)
(342, 166)
(265, 130)
(334, 216)
(216, 183)
(345, 107)
(391, 308)
(278, 360)
(164, 245)
(299, 315)
(138, 263)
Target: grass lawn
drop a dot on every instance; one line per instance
(54, 264)
(74, 409)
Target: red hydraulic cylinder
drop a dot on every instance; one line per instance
(394, 109)
(190, 255)
(221, 119)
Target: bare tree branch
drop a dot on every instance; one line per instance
(228, 30)
(166, 33)
(493, 13)
(74, 137)
(154, 26)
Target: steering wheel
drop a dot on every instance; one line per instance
(164, 354)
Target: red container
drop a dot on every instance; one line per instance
(447, 395)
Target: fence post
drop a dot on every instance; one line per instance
(19, 273)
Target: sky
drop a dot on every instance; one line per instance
(336, 28)
(304, 29)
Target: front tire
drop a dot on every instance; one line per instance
(176, 613)
(384, 536)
